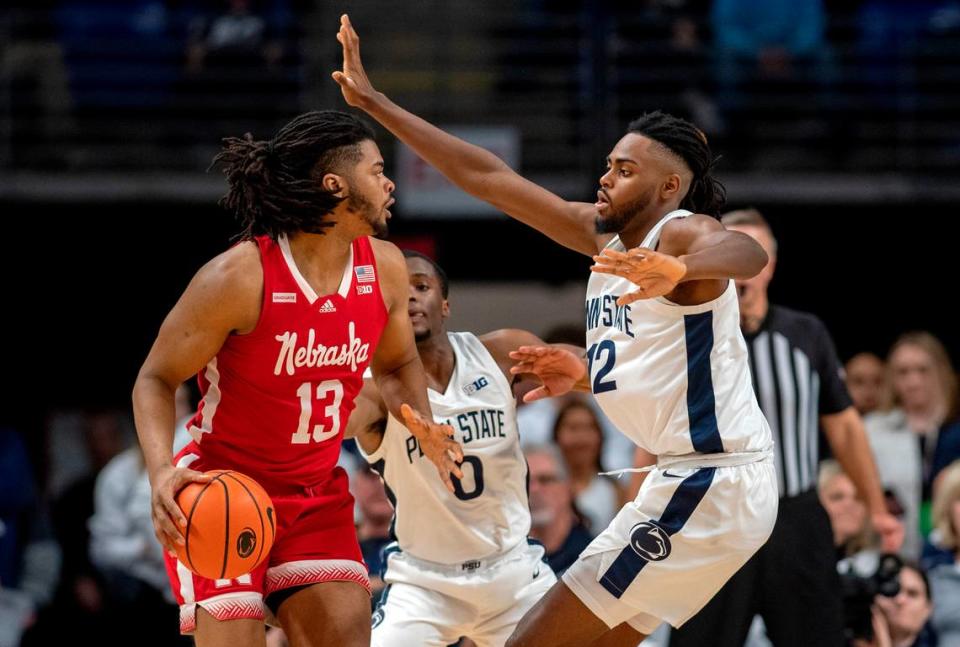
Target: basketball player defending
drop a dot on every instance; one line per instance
(280, 329)
(479, 575)
(667, 364)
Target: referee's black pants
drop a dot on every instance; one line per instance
(791, 582)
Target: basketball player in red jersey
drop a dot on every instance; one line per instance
(280, 329)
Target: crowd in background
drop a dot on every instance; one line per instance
(77, 547)
(80, 547)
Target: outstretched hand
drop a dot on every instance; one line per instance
(356, 87)
(557, 369)
(436, 443)
(654, 274)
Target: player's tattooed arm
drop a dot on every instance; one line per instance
(472, 168)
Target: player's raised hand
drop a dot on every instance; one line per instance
(557, 369)
(356, 87)
(436, 442)
(654, 274)
(168, 518)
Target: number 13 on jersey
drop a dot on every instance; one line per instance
(306, 392)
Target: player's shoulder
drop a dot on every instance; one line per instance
(388, 256)
(693, 225)
(391, 271)
(681, 235)
(499, 343)
(385, 249)
(237, 269)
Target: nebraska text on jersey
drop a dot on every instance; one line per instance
(293, 357)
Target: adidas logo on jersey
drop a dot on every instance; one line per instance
(328, 307)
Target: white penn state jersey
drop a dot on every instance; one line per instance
(674, 379)
(489, 513)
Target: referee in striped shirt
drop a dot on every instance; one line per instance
(792, 581)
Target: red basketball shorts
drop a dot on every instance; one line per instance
(315, 542)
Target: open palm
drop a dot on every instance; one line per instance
(352, 79)
(557, 369)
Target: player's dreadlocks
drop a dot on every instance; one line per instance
(275, 185)
(706, 194)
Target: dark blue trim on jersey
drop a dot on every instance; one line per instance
(701, 405)
(380, 467)
(684, 501)
(385, 552)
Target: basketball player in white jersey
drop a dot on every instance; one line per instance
(667, 363)
(460, 564)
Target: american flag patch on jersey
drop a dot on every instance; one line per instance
(365, 274)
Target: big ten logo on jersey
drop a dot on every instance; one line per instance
(364, 289)
(604, 311)
(476, 385)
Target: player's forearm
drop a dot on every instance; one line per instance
(470, 167)
(848, 442)
(730, 257)
(406, 384)
(155, 417)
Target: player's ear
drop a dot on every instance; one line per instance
(445, 309)
(671, 186)
(335, 184)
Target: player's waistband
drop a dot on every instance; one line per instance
(457, 568)
(697, 461)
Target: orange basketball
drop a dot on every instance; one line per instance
(230, 525)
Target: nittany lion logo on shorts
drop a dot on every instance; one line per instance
(650, 541)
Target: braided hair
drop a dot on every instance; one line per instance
(274, 186)
(706, 194)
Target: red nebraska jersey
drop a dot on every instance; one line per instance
(276, 400)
